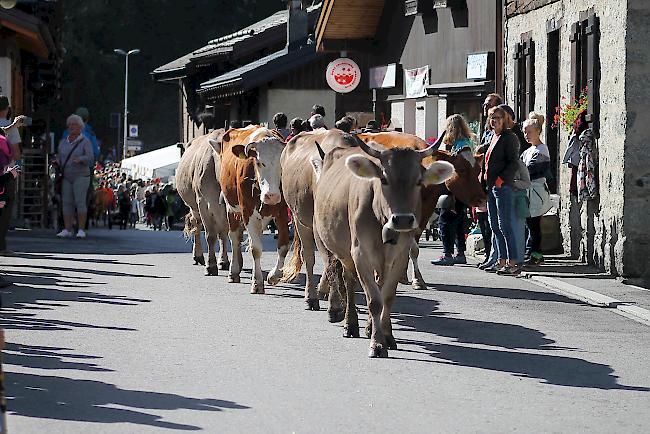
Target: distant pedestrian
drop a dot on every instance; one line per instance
(158, 208)
(316, 122)
(123, 206)
(280, 122)
(345, 124)
(135, 210)
(296, 128)
(74, 154)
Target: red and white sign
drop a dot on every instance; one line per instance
(343, 75)
(416, 81)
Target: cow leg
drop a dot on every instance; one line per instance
(235, 235)
(414, 253)
(347, 274)
(366, 273)
(223, 262)
(337, 288)
(282, 222)
(323, 284)
(211, 234)
(393, 271)
(255, 228)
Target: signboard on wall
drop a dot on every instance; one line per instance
(343, 75)
(480, 66)
(416, 82)
(383, 77)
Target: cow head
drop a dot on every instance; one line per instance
(265, 149)
(464, 184)
(402, 175)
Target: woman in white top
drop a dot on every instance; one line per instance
(538, 161)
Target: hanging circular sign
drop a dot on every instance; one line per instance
(343, 75)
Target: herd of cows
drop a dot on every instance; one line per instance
(363, 200)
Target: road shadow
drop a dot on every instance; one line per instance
(51, 257)
(60, 398)
(49, 358)
(507, 293)
(511, 348)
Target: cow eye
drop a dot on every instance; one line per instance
(384, 181)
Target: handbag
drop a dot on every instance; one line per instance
(58, 178)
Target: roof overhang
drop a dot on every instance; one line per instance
(343, 20)
(31, 33)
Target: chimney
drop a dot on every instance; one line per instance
(297, 25)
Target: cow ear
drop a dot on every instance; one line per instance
(362, 167)
(216, 145)
(239, 151)
(437, 173)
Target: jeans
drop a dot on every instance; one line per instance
(5, 213)
(486, 232)
(505, 224)
(534, 243)
(452, 231)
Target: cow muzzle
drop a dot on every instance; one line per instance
(271, 198)
(402, 222)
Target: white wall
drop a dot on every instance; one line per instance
(426, 118)
(5, 76)
(296, 103)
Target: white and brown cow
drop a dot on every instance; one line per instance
(250, 180)
(367, 206)
(197, 181)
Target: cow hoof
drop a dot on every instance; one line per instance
(391, 343)
(233, 279)
(312, 304)
(419, 285)
(212, 271)
(224, 266)
(257, 288)
(378, 351)
(404, 280)
(199, 260)
(273, 280)
(351, 332)
(336, 315)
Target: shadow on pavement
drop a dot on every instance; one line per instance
(50, 358)
(509, 293)
(420, 315)
(60, 398)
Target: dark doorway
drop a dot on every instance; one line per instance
(553, 101)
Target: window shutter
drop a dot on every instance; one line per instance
(529, 54)
(575, 60)
(519, 78)
(593, 38)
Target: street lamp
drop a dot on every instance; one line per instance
(126, 94)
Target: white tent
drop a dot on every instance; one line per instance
(161, 163)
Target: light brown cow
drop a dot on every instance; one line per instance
(250, 179)
(298, 180)
(366, 210)
(197, 181)
(464, 184)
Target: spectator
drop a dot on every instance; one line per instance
(280, 122)
(346, 124)
(158, 208)
(170, 204)
(123, 206)
(498, 174)
(318, 109)
(296, 128)
(316, 122)
(74, 154)
(13, 140)
(538, 161)
(516, 128)
(453, 214)
(492, 100)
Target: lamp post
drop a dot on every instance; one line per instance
(126, 94)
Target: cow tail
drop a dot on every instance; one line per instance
(292, 270)
(191, 226)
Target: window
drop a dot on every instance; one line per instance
(585, 37)
(524, 77)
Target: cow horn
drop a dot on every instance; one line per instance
(249, 147)
(431, 149)
(320, 151)
(370, 148)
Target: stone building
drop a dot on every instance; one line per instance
(555, 48)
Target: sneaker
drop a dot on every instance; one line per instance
(64, 234)
(514, 270)
(444, 260)
(534, 260)
(81, 234)
(486, 264)
(494, 268)
(460, 259)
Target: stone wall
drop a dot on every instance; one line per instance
(602, 238)
(637, 147)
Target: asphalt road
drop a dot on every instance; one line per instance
(122, 334)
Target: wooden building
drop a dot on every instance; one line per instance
(425, 59)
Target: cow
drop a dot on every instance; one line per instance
(464, 184)
(298, 180)
(197, 182)
(366, 205)
(250, 179)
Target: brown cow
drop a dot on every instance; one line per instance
(250, 179)
(464, 184)
(298, 180)
(197, 181)
(366, 210)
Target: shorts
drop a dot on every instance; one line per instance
(74, 195)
